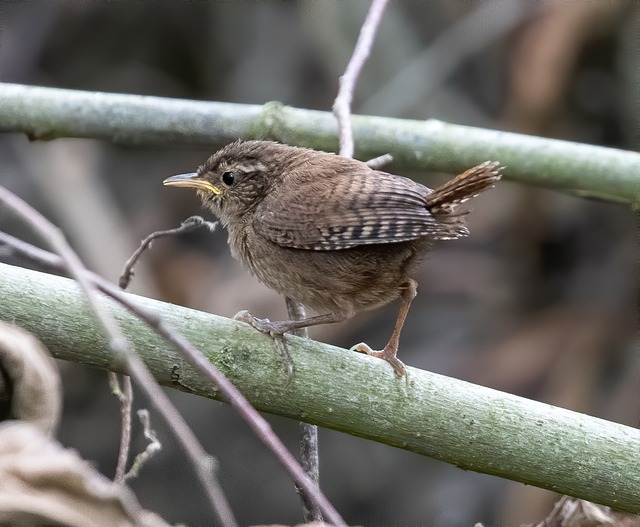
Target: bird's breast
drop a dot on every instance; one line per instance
(345, 281)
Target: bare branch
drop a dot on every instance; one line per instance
(125, 397)
(378, 162)
(231, 394)
(342, 111)
(310, 460)
(581, 169)
(309, 438)
(188, 225)
(478, 428)
(342, 104)
(120, 346)
(152, 449)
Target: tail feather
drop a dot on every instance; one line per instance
(443, 202)
(446, 198)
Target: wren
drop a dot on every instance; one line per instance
(329, 231)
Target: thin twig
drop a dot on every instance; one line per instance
(342, 104)
(310, 461)
(70, 261)
(125, 397)
(152, 449)
(255, 421)
(309, 437)
(378, 162)
(342, 111)
(188, 225)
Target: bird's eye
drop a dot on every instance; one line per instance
(229, 178)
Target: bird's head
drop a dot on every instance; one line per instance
(234, 180)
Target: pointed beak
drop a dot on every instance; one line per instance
(191, 180)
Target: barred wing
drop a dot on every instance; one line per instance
(347, 210)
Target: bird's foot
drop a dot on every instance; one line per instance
(275, 330)
(388, 353)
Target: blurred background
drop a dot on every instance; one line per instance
(540, 300)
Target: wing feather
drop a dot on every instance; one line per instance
(346, 212)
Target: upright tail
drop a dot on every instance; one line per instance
(444, 201)
(446, 198)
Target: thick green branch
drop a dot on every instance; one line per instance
(48, 113)
(470, 426)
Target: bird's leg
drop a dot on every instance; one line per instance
(276, 330)
(283, 326)
(390, 351)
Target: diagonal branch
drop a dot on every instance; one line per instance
(223, 387)
(470, 426)
(118, 346)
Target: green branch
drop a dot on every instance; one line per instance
(470, 426)
(48, 113)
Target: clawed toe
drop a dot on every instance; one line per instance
(388, 354)
(275, 330)
(264, 325)
(243, 316)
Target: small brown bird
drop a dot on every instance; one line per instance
(328, 231)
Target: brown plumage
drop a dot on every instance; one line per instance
(329, 231)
